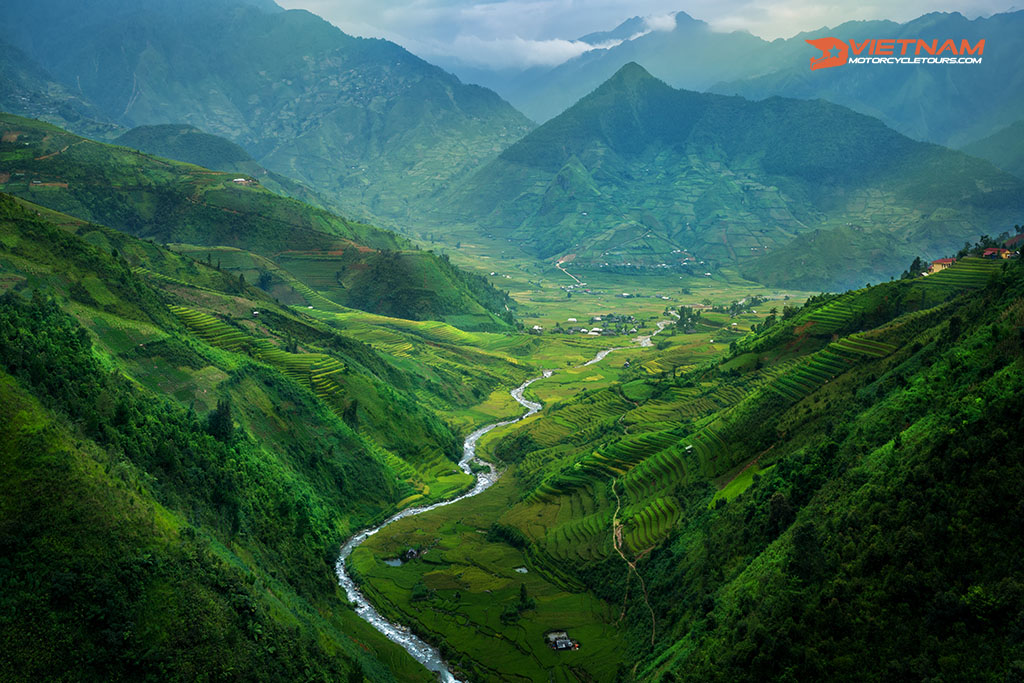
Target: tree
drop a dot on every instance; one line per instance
(220, 424)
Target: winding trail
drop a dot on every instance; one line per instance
(421, 651)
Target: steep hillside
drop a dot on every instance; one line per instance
(156, 479)
(638, 173)
(363, 121)
(172, 202)
(189, 144)
(1004, 148)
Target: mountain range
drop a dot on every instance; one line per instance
(364, 128)
(216, 365)
(695, 56)
(640, 174)
(363, 121)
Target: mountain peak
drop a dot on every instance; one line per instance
(631, 73)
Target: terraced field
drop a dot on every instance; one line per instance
(646, 525)
(328, 378)
(213, 330)
(834, 314)
(969, 273)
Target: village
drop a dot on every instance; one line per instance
(607, 325)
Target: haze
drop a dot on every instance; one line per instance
(524, 33)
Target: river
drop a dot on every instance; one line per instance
(421, 651)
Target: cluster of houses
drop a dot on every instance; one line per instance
(989, 253)
(601, 326)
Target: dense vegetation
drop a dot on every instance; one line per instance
(883, 544)
(205, 387)
(140, 541)
(172, 202)
(177, 483)
(189, 144)
(832, 499)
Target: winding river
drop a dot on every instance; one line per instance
(421, 651)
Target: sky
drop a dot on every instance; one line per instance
(523, 33)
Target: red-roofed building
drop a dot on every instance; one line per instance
(996, 252)
(940, 264)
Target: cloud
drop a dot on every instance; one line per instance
(662, 22)
(514, 52)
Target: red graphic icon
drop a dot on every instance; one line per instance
(834, 52)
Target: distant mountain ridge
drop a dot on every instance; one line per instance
(951, 105)
(362, 120)
(640, 174)
(1004, 148)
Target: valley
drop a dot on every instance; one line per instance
(321, 363)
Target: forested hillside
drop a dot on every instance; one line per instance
(879, 527)
(187, 205)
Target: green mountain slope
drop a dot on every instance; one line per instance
(1004, 148)
(640, 174)
(181, 449)
(191, 145)
(172, 202)
(363, 121)
(156, 480)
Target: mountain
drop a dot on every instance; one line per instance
(691, 55)
(157, 478)
(189, 144)
(640, 174)
(27, 90)
(947, 104)
(363, 121)
(182, 142)
(1004, 148)
(964, 103)
(172, 202)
